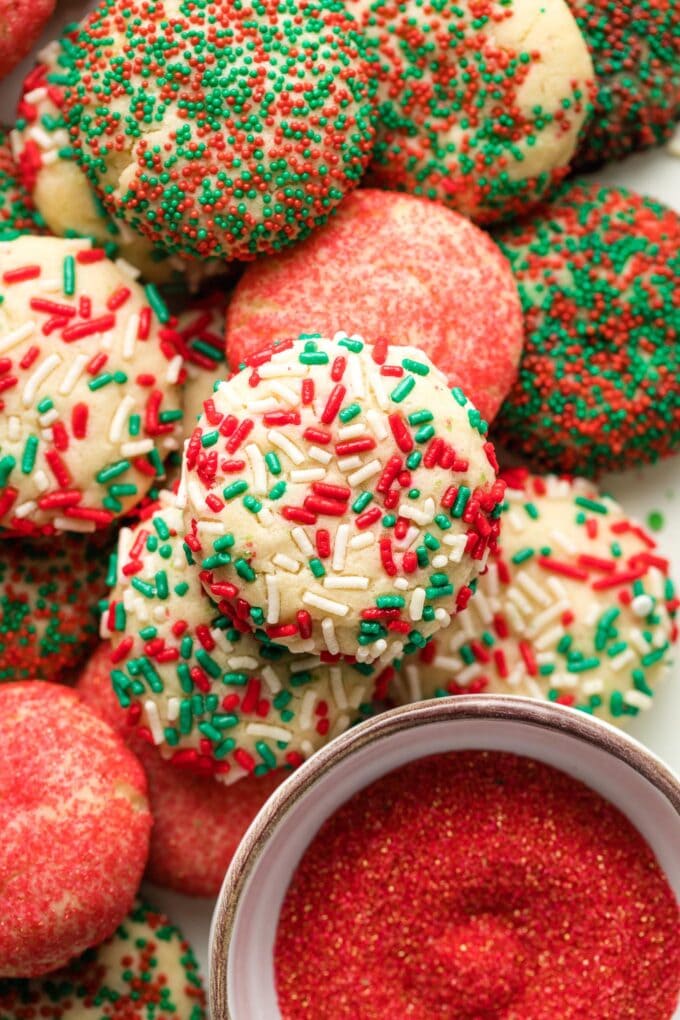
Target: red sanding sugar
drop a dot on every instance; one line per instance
(478, 886)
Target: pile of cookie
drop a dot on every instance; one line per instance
(252, 416)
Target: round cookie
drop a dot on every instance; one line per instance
(340, 496)
(88, 387)
(480, 102)
(21, 22)
(576, 607)
(236, 133)
(635, 48)
(74, 828)
(197, 825)
(145, 971)
(48, 605)
(215, 700)
(398, 266)
(61, 190)
(17, 213)
(597, 389)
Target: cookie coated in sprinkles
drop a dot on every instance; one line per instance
(597, 389)
(145, 971)
(480, 102)
(636, 55)
(89, 387)
(59, 188)
(214, 700)
(340, 497)
(220, 128)
(576, 606)
(48, 611)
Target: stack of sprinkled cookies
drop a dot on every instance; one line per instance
(243, 508)
(337, 503)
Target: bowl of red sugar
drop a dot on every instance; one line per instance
(478, 858)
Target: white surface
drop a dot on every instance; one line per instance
(251, 985)
(657, 488)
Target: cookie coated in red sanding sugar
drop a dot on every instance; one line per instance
(21, 22)
(397, 266)
(197, 822)
(74, 828)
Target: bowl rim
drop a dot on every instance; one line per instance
(493, 707)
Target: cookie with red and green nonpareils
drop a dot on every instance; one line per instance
(74, 828)
(89, 387)
(18, 215)
(480, 102)
(145, 971)
(213, 699)
(197, 825)
(398, 266)
(48, 605)
(597, 389)
(340, 497)
(220, 129)
(60, 189)
(576, 606)
(635, 50)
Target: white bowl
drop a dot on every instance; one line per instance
(246, 916)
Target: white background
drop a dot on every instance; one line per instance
(656, 488)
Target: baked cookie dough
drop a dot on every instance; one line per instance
(577, 607)
(17, 212)
(215, 700)
(220, 129)
(635, 49)
(61, 191)
(145, 971)
(597, 388)
(397, 266)
(480, 102)
(340, 497)
(74, 828)
(89, 390)
(48, 605)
